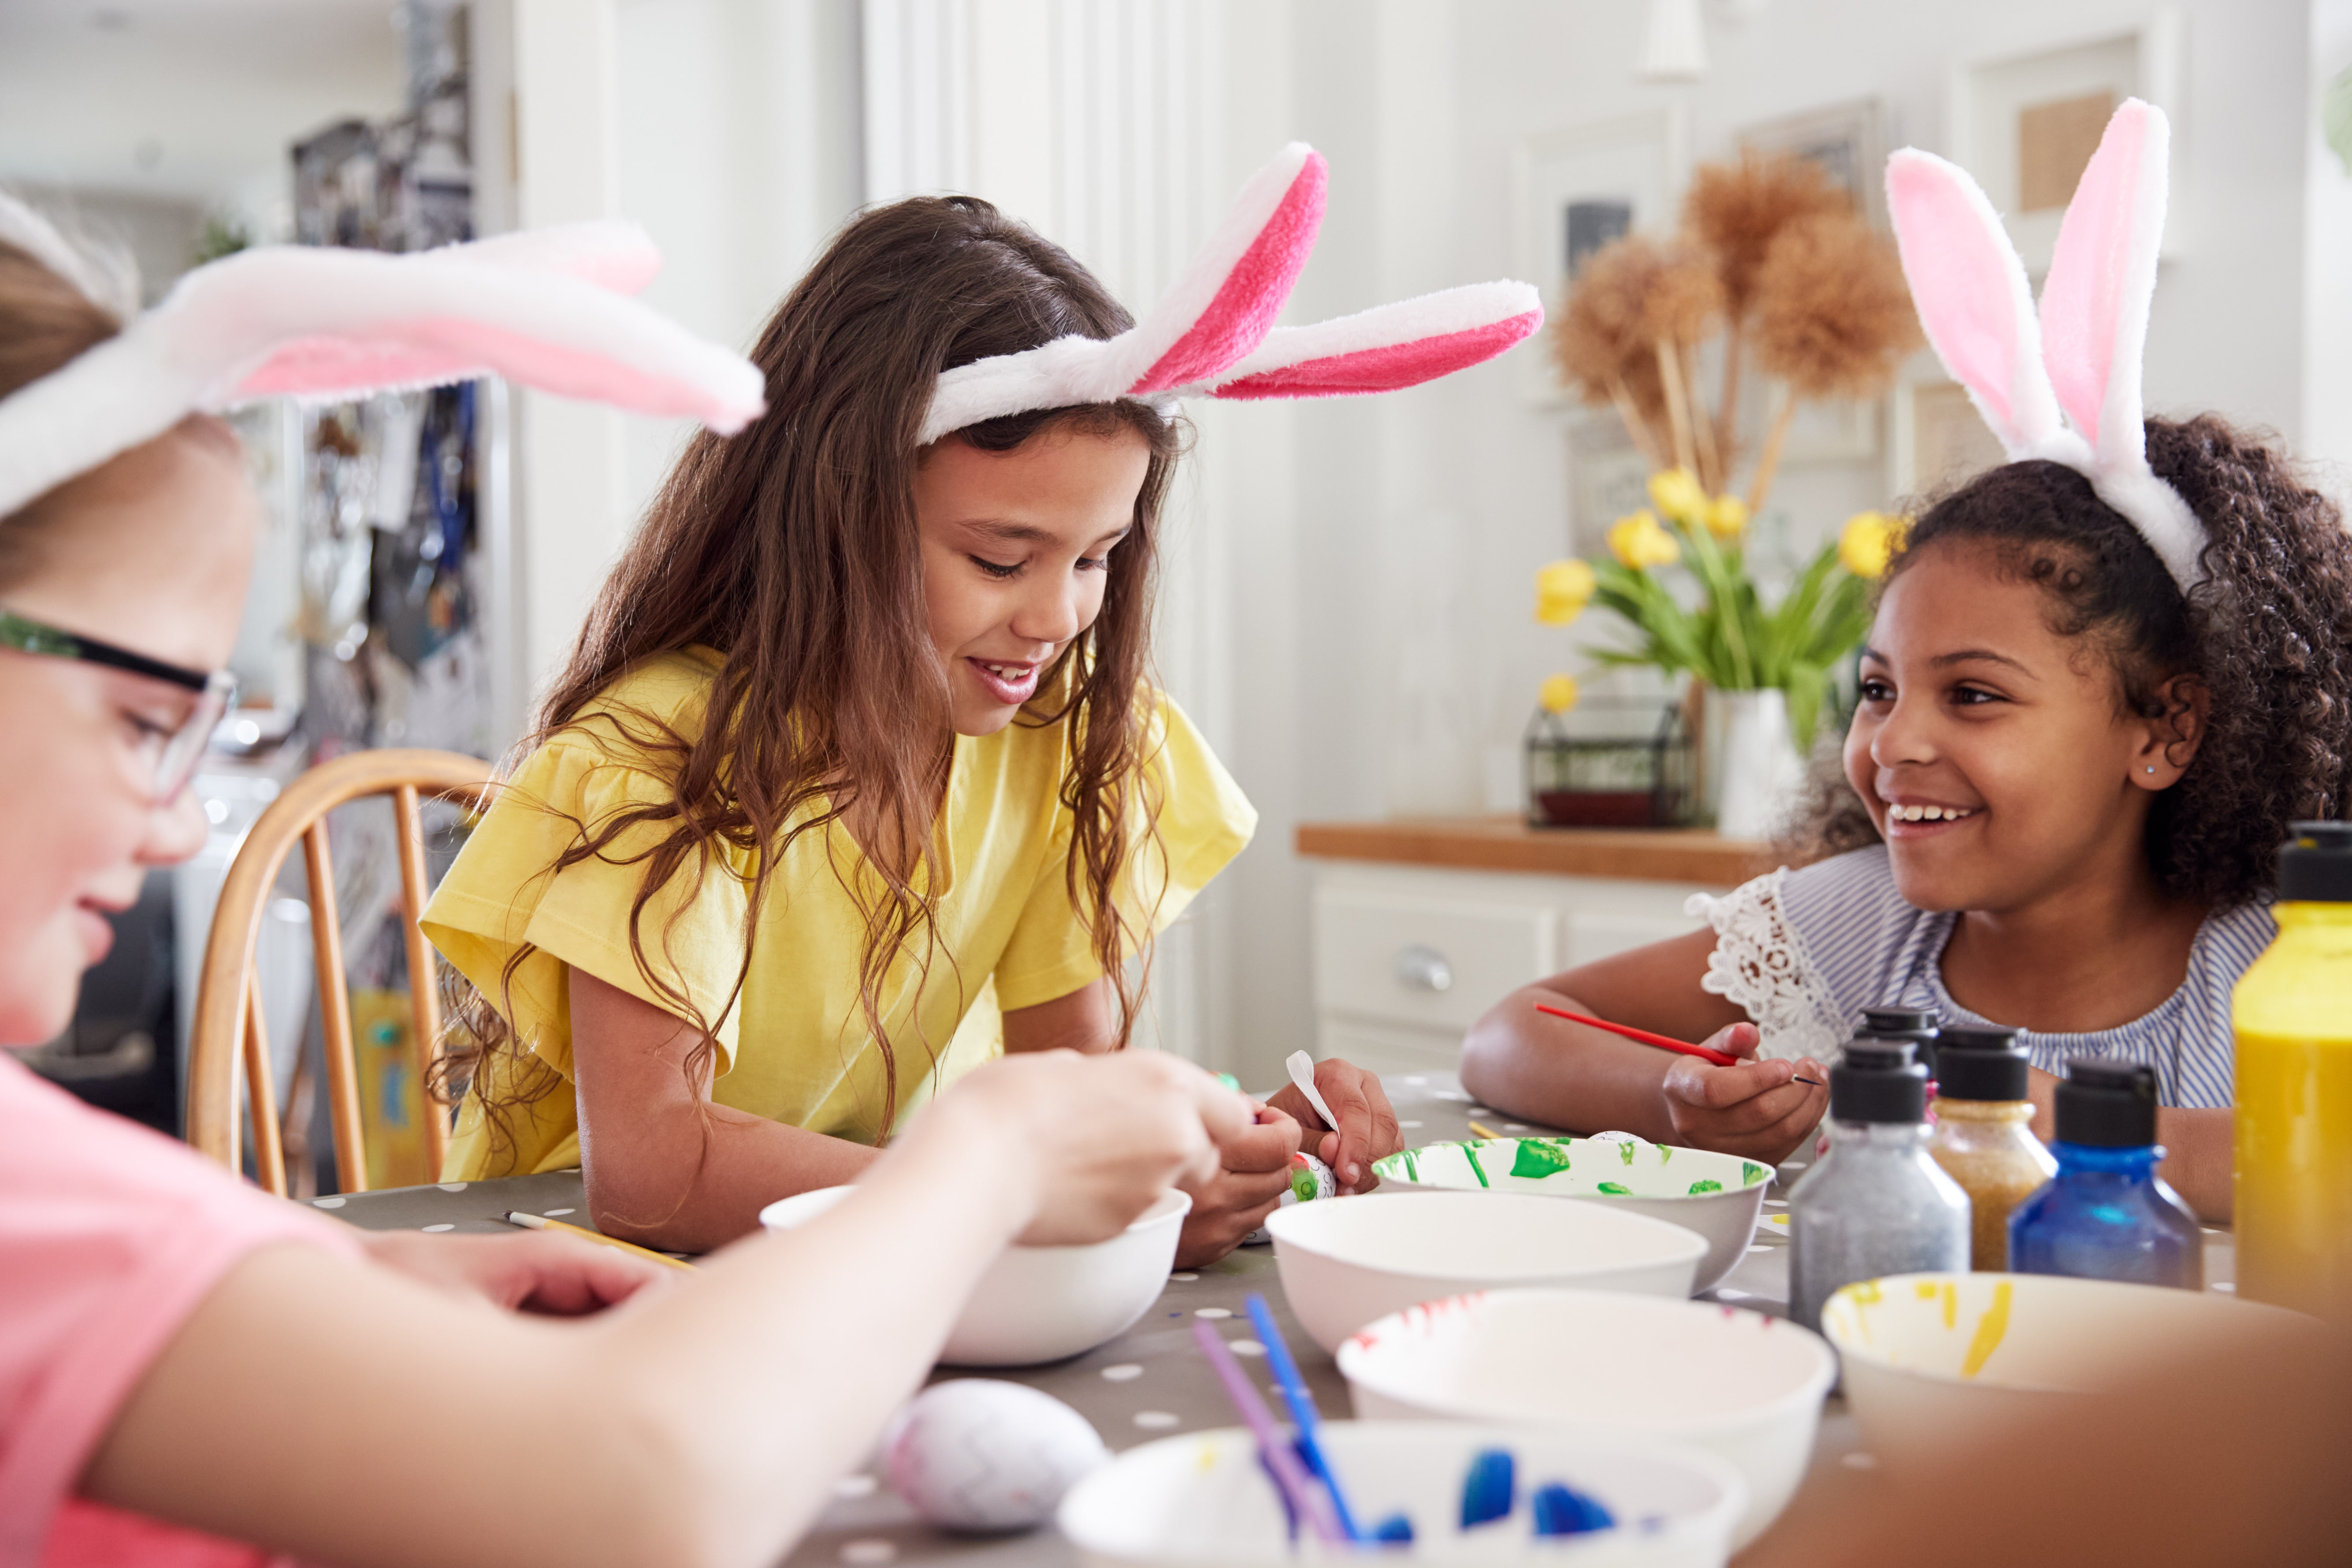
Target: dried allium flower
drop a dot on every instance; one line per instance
(1736, 210)
(1600, 340)
(1833, 316)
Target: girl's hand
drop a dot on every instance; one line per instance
(1253, 1171)
(1753, 1109)
(534, 1271)
(1092, 1141)
(1367, 1129)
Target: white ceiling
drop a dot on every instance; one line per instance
(193, 101)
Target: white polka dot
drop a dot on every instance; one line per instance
(1858, 1461)
(1451, 1094)
(451, 1187)
(327, 1202)
(855, 1486)
(1184, 1279)
(1156, 1420)
(1213, 1313)
(869, 1552)
(1246, 1347)
(1759, 1246)
(1725, 1293)
(1408, 1124)
(558, 1213)
(431, 1229)
(1126, 1372)
(1415, 1078)
(1515, 1126)
(1776, 1203)
(2231, 1286)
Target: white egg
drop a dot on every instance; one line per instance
(980, 1453)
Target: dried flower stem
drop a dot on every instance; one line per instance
(1635, 426)
(1733, 337)
(1769, 462)
(1670, 373)
(1710, 468)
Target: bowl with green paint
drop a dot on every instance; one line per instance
(1719, 1196)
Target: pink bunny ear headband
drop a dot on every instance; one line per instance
(1212, 335)
(548, 309)
(2064, 386)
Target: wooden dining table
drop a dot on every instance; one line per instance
(1150, 1381)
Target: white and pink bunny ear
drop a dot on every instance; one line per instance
(2095, 311)
(1970, 291)
(1213, 334)
(2065, 383)
(322, 324)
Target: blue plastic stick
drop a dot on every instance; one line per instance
(1302, 1412)
(1290, 1477)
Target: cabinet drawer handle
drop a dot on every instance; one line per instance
(1420, 967)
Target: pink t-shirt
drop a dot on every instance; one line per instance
(109, 1236)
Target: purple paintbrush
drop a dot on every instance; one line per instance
(1308, 1501)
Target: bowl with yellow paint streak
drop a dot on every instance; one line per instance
(1936, 1360)
(1717, 1195)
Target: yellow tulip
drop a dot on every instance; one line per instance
(1677, 493)
(1727, 517)
(1562, 590)
(1558, 693)
(1639, 541)
(1868, 541)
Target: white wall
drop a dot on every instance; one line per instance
(1381, 551)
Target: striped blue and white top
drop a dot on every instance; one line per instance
(1804, 952)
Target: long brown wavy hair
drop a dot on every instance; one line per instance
(792, 550)
(2269, 631)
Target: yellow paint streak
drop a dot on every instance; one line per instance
(1951, 1305)
(1991, 1330)
(1924, 1288)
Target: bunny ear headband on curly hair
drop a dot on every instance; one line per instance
(1212, 333)
(548, 309)
(2064, 386)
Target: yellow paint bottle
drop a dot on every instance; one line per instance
(2293, 1013)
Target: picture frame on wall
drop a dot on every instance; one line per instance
(1939, 438)
(1848, 141)
(1607, 477)
(2025, 125)
(1583, 185)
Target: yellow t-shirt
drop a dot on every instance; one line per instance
(796, 1046)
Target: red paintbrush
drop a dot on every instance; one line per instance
(1663, 1042)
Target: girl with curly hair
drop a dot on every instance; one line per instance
(2102, 682)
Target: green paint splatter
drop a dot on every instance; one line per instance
(1665, 1153)
(1476, 1169)
(1626, 1152)
(1706, 1186)
(1617, 1189)
(1750, 1173)
(1538, 1158)
(1411, 1167)
(1303, 1184)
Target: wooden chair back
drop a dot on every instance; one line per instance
(227, 1032)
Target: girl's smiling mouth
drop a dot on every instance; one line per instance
(1008, 682)
(1910, 819)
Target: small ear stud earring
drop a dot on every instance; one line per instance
(2151, 768)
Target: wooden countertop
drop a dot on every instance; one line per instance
(1508, 843)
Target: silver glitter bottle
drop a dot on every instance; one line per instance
(1879, 1204)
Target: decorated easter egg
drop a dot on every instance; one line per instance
(980, 1453)
(1310, 1179)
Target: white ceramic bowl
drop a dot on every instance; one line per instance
(1717, 1195)
(1346, 1261)
(1605, 1367)
(1203, 1500)
(1044, 1303)
(1935, 1360)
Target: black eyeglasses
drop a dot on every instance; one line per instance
(174, 756)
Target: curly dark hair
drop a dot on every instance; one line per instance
(2268, 632)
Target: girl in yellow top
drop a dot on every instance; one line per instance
(855, 777)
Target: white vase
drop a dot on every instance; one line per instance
(1758, 771)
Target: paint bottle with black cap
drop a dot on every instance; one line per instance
(1878, 1205)
(2106, 1214)
(1984, 1134)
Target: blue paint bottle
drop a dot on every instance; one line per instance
(2106, 1214)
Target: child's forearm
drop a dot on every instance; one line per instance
(1565, 1075)
(692, 1178)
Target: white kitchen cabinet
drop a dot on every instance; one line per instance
(1407, 957)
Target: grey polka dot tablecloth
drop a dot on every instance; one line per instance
(1151, 1381)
